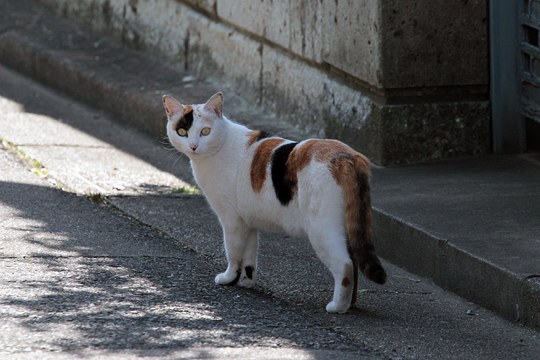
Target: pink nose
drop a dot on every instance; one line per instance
(193, 147)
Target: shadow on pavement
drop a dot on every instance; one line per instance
(78, 276)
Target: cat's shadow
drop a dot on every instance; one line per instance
(358, 311)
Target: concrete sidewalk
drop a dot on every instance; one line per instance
(464, 224)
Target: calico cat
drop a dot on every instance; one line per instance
(254, 181)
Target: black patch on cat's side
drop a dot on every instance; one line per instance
(262, 135)
(283, 185)
(185, 121)
(235, 280)
(249, 272)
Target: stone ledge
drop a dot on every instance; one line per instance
(486, 284)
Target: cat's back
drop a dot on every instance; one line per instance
(282, 162)
(283, 183)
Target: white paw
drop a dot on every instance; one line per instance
(246, 282)
(228, 278)
(248, 278)
(335, 308)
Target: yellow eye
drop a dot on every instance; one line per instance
(182, 132)
(205, 131)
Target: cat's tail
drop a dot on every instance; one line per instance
(358, 224)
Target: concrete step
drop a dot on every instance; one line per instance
(472, 225)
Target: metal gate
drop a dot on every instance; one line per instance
(515, 74)
(530, 71)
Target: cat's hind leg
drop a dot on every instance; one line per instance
(235, 234)
(331, 248)
(249, 260)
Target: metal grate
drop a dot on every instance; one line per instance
(530, 59)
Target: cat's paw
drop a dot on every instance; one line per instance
(246, 282)
(335, 308)
(248, 277)
(228, 278)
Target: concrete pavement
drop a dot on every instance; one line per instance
(133, 277)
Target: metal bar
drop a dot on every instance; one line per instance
(531, 79)
(531, 21)
(505, 78)
(531, 50)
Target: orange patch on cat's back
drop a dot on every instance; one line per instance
(325, 151)
(252, 137)
(301, 156)
(261, 160)
(343, 162)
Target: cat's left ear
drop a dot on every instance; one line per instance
(172, 106)
(215, 104)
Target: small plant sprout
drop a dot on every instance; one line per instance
(186, 189)
(39, 169)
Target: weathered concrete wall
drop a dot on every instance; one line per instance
(434, 43)
(401, 81)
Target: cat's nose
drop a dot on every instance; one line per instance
(193, 147)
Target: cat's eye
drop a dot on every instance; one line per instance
(205, 131)
(182, 132)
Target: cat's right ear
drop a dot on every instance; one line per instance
(172, 106)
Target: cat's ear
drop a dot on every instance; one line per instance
(172, 106)
(215, 104)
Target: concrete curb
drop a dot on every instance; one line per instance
(493, 287)
(128, 84)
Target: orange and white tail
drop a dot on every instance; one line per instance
(354, 179)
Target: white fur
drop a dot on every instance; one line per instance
(221, 166)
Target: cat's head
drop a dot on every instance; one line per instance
(196, 130)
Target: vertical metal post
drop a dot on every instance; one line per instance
(505, 76)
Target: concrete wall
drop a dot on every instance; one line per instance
(402, 81)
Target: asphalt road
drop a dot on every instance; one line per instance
(133, 276)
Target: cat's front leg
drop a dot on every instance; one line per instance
(234, 236)
(249, 260)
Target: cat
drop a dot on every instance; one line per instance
(254, 181)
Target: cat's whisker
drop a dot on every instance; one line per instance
(173, 157)
(177, 160)
(167, 146)
(165, 142)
